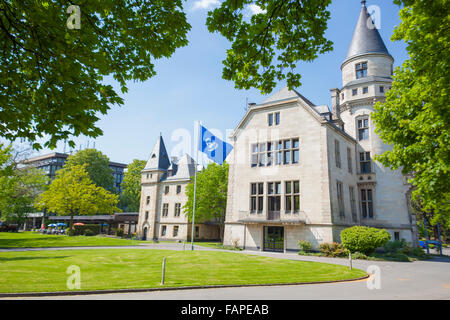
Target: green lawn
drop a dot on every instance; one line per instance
(39, 271)
(37, 240)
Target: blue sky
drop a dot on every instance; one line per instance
(189, 85)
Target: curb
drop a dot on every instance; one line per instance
(77, 293)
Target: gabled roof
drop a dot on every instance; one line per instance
(285, 94)
(185, 169)
(366, 38)
(278, 98)
(159, 159)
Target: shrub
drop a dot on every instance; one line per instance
(70, 232)
(119, 232)
(396, 245)
(359, 255)
(88, 232)
(333, 249)
(304, 246)
(364, 239)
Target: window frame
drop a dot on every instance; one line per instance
(363, 128)
(165, 210)
(361, 69)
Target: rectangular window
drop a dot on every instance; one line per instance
(197, 231)
(165, 210)
(148, 200)
(270, 119)
(178, 189)
(366, 203)
(361, 70)
(163, 231)
(175, 231)
(146, 215)
(166, 189)
(280, 152)
(381, 89)
(177, 209)
(349, 160)
(340, 198)
(277, 118)
(354, 92)
(351, 191)
(365, 90)
(363, 129)
(397, 236)
(292, 196)
(256, 197)
(337, 153)
(365, 162)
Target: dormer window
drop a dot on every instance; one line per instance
(361, 70)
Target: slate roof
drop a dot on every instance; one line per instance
(159, 159)
(366, 38)
(185, 169)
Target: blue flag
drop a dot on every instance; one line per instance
(216, 149)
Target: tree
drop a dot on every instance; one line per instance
(415, 117)
(73, 193)
(131, 185)
(19, 185)
(97, 166)
(267, 47)
(20, 191)
(53, 67)
(53, 70)
(211, 195)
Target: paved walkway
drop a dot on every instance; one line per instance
(399, 280)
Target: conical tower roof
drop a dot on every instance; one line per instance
(366, 38)
(159, 159)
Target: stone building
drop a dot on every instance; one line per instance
(161, 214)
(301, 172)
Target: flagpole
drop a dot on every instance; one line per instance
(195, 186)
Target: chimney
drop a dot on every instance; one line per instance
(335, 103)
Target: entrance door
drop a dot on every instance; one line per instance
(144, 237)
(274, 239)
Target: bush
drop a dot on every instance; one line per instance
(359, 255)
(88, 233)
(81, 230)
(304, 246)
(364, 239)
(119, 232)
(333, 249)
(70, 232)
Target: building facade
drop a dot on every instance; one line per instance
(301, 172)
(52, 162)
(163, 195)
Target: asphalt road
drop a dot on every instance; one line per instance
(392, 280)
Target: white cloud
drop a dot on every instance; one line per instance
(255, 9)
(205, 4)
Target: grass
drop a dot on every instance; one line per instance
(37, 240)
(44, 271)
(216, 245)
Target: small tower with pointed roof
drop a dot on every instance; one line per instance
(163, 195)
(366, 77)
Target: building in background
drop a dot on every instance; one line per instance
(52, 162)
